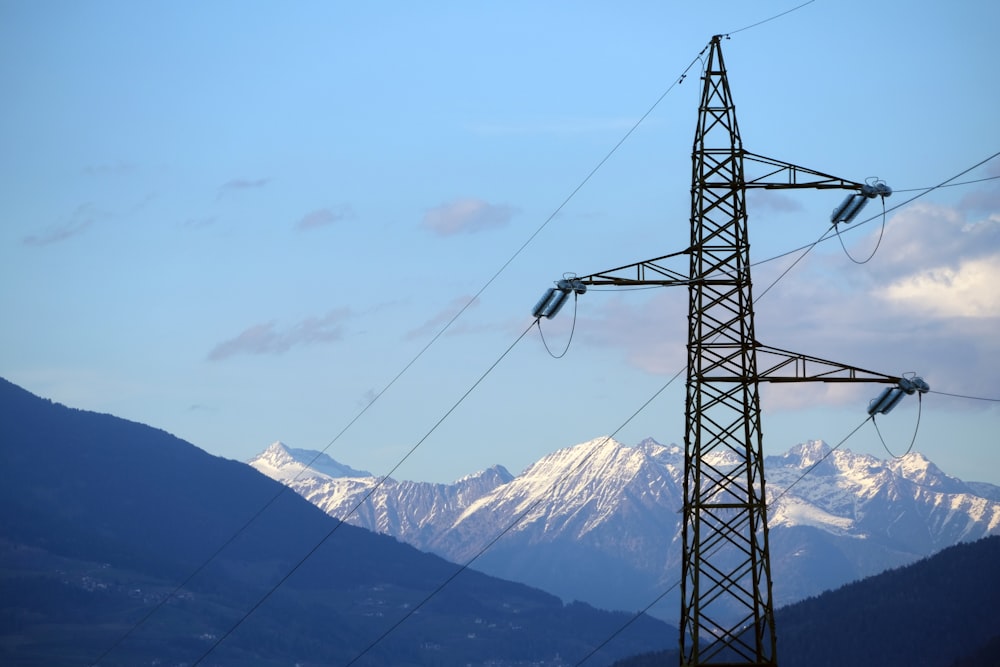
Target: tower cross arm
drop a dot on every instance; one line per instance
(778, 175)
(651, 272)
(777, 365)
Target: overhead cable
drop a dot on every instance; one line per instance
(916, 429)
(895, 207)
(679, 79)
(510, 526)
(971, 398)
(342, 520)
(776, 16)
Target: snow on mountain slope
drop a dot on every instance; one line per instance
(418, 510)
(283, 464)
(600, 521)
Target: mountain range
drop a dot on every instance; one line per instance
(600, 521)
(121, 544)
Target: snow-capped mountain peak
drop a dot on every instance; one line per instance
(285, 464)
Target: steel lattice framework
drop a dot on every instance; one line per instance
(726, 567)
(727, 616)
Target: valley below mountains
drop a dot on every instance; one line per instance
(600, 521)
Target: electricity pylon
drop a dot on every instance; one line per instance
(727, 615)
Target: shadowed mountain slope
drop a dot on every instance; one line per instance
(101, 519)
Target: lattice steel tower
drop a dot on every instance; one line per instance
(727, 615)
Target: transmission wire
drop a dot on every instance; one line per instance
(806, 249)
(677, 583)
(518, 519)
(881, 233)
(448, 324)
(379, 483)
(502, 268)
(776, 16)
(942, 184)
(635, 617)
(971, 398)
(412, 361)
(916, 429)
(951, 185)
(538, 321)
(821, 459)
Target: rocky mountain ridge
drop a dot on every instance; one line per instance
(600, 521)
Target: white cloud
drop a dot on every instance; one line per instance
(467, 215)
(970, 290)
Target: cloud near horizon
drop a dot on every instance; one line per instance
(322, 217)
(267, 338)
(467, 215)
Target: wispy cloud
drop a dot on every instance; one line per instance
(442, 317)
(322, 217)
(769, 201)
(110, 168)
(76, 223)
(198, 223)
(238, 184)
(269, 338)
(467, 215)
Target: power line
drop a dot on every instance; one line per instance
(510, 526)
(776, 16)
(341, 522)
(942, 184)
(916, 429)
(878, 242)
(503, 267)
(555, 484)
(677, 583)
(678, 80)
(446, 326)
(806, 249)
(971, 398)
(951, 185)
(635, 617)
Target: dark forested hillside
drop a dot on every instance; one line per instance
(940, 612)
(926, 615)
(103, 520)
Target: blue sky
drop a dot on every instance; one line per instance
(239, 222)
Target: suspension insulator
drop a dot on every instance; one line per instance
(539, 309)
(556, 303)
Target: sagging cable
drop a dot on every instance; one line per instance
(852, 205)
(916, 429)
